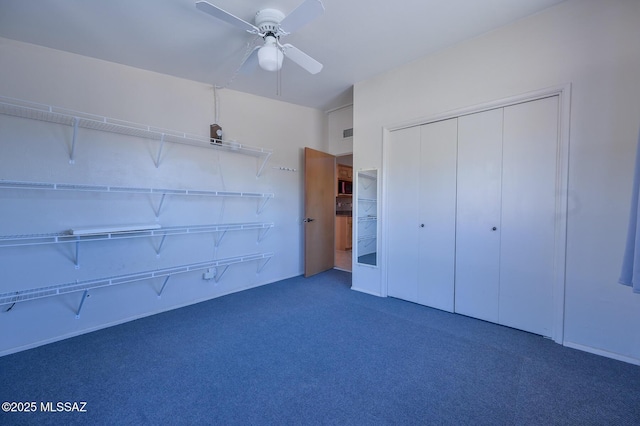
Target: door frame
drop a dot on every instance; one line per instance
(562, 179)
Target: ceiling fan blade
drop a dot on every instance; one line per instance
(301, 58)
(223, 15)
(302, 15)
(251, 63)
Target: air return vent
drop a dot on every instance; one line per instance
(347, 133)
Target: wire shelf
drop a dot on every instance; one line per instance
(77, 119)
(11, 184)
(68, 237)
(55, 290)
(367, 218)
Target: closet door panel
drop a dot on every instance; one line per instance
(403, 158)
(528, 215)
(478, 215)
(437, 195)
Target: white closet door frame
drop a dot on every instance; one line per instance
(562, 178)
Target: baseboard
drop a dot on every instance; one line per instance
(602, 352)
(125, 320)
(361, 290)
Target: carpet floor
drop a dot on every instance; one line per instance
(311, 351)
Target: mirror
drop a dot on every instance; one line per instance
(367, 219)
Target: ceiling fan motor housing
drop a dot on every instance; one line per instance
(268, 21)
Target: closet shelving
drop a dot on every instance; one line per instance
(215, 268)
(367, 219)
(365, 223)
(114, 234)
(76, 119)
(369, 180)
(367, 239)
(163, 232)
(162, 192)
(220, 266)
(367, 215)
(368, 204)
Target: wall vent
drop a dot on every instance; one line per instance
(347, 133)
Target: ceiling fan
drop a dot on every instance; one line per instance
(271, 25)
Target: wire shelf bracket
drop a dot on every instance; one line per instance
(262, 264)
(77, 260)
(72, 154)
(85, 294)
(218, 238)
(159, 209)
(263, 234)
(157, 162)
(263, 163)
(220, 272)
(262, 205)
(162, 240)
(164, 284)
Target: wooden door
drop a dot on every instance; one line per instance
(319, 211)
(478, 215)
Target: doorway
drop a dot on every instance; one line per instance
(328, 205)
(344, 213)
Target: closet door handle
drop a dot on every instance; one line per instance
(494, 229)
(422, 225)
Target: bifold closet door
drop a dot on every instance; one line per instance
(529, 194)
(403, 172)
(478, 227)
(421, 188)
(437, 194)
(506, 215)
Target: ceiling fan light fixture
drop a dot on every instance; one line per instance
(268, 26)
(270, 56)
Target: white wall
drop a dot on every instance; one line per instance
(591, 44)
(38, 151)
(338, 121)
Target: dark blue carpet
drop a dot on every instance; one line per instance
(311, 351)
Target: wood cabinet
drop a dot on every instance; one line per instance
(344, 231)
(345, 172)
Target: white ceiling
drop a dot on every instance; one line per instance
(354, 39)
